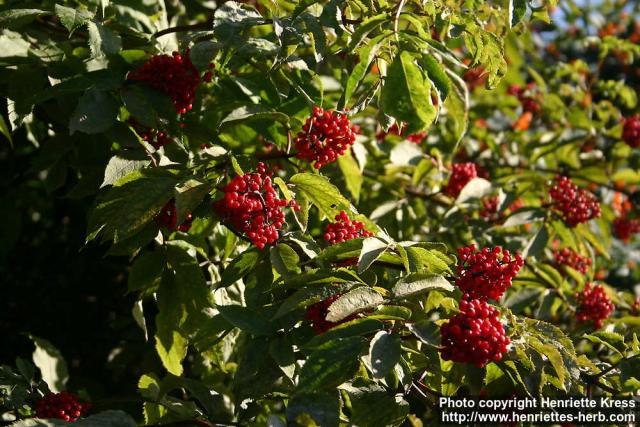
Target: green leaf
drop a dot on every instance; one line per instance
(316, 33)
(391, 312)
(419, 283)
(190, 289)
(630, 369)
(475, 189)
(517, 10)
(182, 298)
(203, 53)
(4, 130)
(119, 167)
(372, 249)
(149, 107)
(13, 45)
(246, 319)
(354, 301)
(231, 19)
(103, 41)
(14, 18)
(149, 387)
(96, 112)
(52, 365)
(364, 28)
(171, 344)
(537, 243)
(188, 195)
(406, 94)
(437, 75)
(322, 408)
(373, 406)
(310, 295)
(324, 195)
(130, 204)
(302, 6)
(251, 113)
(281, 349)
(240, 266)
(612, 340)
(146, 272)
(72, 18)
(352, 174)
(431, 260)
(284, 259)
(341, 251)
(553, 356)
(525, 216)
(487, 50)
(331, 364)
(384, 353)
(357, 327)
(406, 153)
(427, 331)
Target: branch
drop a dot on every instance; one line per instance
(182, 28)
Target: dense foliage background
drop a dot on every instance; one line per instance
(106, 295)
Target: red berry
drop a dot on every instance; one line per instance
(573, 203)
(475, 77)
(571, 258)
(63, 406)
(157, 138)
(475, 335)
(168, 217)
(529, 97)
(325, 136)
(487, 273)
(593, 305)
(624, 228)
(631, 130)
(344, 229)
(175, 76)
(461, 174)
(317, 315)
(490, 204)
(251, 206)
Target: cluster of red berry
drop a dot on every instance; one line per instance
(317, 315)
(174, 75)
(631, 130)
(475, 335)
(574, 204)
(157, 138)
(490, 204)
(251, 205)
(475, 77)
(528, 96)
(461, 174)
(325, 136)
(573, 259)
(593, 305)
(344, 229)
(64, 406)
(624, 228)
(487, 273)
(416, 138)
(168, 217)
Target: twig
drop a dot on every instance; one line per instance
(182, 28)
(396, 20)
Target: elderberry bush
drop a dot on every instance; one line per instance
(315, 213)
